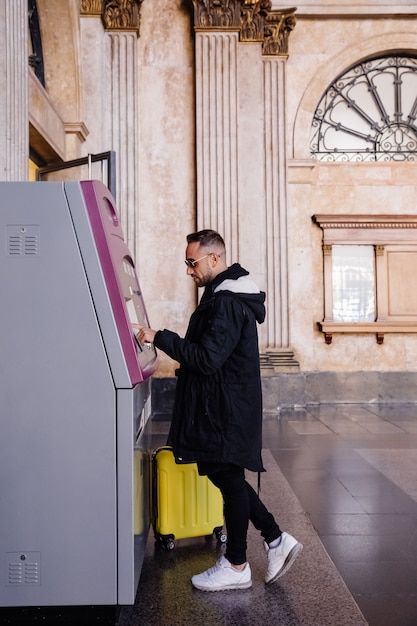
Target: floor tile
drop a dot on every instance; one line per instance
(383, 611)
(370, 533)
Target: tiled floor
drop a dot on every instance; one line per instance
(311, 593)
(354, 470)
(343, 480)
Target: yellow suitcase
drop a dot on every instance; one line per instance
(185, 504)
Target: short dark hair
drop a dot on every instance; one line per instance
(207, 238)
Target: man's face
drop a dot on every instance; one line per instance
(202, 273)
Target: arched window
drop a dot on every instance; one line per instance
(369, 113)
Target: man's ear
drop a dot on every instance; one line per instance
(215, 259)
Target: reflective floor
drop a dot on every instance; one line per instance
(354, 470)
(342, 479)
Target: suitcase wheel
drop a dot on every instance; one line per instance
(220, 535)
(167, 541)
(168, 544)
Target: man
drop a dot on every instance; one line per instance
(217, 415)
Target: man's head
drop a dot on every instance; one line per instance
(205, 256)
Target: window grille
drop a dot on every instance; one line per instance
(369, 113)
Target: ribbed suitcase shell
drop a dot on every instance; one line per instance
(185, 503)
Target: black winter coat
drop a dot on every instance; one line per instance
(217, 415)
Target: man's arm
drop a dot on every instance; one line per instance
(215, 344)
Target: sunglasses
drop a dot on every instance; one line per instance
(193, 263)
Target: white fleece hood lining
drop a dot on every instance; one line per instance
(244, 284)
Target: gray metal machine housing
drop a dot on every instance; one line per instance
(74, 485)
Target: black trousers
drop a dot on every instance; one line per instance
(241, 504)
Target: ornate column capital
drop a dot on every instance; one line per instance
(117, 15)
(121, 14)
(253, 16)
(217, 14)
(278, 26)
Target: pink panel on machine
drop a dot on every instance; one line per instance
(121, 279)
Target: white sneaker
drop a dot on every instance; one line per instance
(223, 576)
(282, 557)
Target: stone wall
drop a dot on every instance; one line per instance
(212, 128)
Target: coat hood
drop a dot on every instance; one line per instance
(236, 280)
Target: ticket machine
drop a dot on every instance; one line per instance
(74, 384)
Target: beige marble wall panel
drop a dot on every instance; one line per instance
(320, 49)
(59, 23)
(44, 116)
(166, 165)
(305, 282)
(110, 88)
(353, 354)
(409, 345)
(251, 223)
(359, 7)
(354, 188)
(166, 171)
(63, 54)
(141, 105)
(95, 85)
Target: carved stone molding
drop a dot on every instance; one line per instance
(121, 14)
(254, 20)
(77, 128)
(274, 361)
(118, 15)
(91, 7)
(278, 26)
(365, 221)
(253, 16)
(216, 14)
(395, 247)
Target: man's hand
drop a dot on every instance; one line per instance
(144, 334)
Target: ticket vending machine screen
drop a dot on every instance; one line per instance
(135, 309)
(121, 279)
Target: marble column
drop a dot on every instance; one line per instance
(217, 26)
(14, 134)
(216, 128)
(278, 352)
(122, 127)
